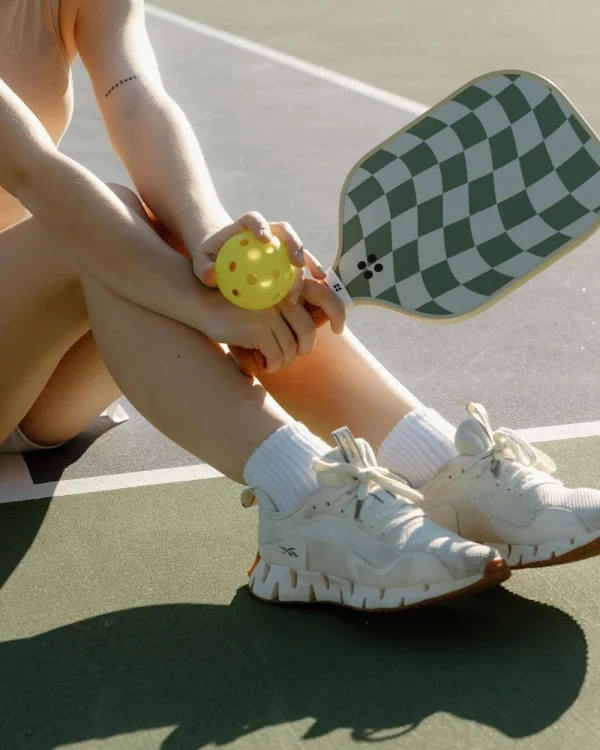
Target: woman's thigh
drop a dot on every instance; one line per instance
(42, 315)
(53, 380)
(79, 389)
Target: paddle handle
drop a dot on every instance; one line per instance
(253, 363)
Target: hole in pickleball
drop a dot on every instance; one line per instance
(244, 242)
(368, 274)
(276, 296)
(276, 274)
(378, 267)
(235, 292)
(361, 265)
(251, 278)
(270, 250)
(232, 266)
(371, 258)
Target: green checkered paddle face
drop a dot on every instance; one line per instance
(478, 195)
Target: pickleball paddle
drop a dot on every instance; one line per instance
(464, 204)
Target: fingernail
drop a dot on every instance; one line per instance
(300, 256)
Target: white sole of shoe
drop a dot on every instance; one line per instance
(558, 552)
(276, 583)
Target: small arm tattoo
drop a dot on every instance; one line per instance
(119, 83)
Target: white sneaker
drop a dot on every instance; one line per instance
(360, 541)
(500, 491)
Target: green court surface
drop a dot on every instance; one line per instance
(125, 622)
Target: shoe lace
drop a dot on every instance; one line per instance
(515, 462)
(361, 487)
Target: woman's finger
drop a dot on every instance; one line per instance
(314, 266)
(257, 224)
(206, 273)
(297, 287)
(322, 296)
(285, 338)
(269, 347)
(302, 326)
(288, 234)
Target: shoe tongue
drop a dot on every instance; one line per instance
(356, 452)
(472, 438)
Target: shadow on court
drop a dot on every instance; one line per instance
(219, 673)
(19, 525)
(20, 522)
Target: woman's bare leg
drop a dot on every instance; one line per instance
(60, 381)
(341, 383)
(42, 315)
(180, 381)
(79, 389)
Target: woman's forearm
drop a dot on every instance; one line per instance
(165, 162)
(100, 236)
(88, 225)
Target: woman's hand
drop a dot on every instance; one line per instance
(281, 332)
(205, 255)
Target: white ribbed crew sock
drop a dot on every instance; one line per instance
(418, 446)
(282, 465)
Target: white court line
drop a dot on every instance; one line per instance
(561, 432)
(12, 493)
(19, 487)
(386, 97)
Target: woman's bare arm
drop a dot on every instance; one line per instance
(89, 226)
(148, 130)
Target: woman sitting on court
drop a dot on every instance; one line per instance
(94, 303)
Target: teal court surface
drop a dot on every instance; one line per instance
(125, 621)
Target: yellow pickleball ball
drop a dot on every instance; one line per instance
(253, 274)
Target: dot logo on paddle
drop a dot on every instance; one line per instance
(368, 274)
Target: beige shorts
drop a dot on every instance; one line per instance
(17, 442)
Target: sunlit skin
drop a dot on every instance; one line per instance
(94, 302)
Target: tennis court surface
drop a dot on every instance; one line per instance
(125, 621)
